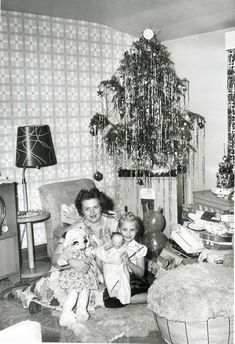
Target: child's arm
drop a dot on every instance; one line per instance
(137, 269)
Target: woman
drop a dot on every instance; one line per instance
(99, 226)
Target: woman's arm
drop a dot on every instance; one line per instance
(78, 265)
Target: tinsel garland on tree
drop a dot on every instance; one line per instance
(148, 125)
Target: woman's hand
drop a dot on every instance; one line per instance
(79, 265)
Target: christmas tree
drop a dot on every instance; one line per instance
(146, 124)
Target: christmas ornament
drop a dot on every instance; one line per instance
(140, 181)
(148, 33)
(98, 176)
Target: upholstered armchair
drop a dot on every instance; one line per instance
(52, 197)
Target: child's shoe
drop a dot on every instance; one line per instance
(82, 315)
(67, 318)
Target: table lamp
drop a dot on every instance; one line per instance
(34, 149)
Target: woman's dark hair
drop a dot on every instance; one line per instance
(85, 195)
(105, 201)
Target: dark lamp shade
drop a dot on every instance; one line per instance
(34, 146)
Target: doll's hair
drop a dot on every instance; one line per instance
(128, 217)
(117, 234)
(75, 234)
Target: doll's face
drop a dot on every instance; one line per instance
(117, 241)
(79, 243)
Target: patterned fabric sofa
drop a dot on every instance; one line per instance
(52, 197)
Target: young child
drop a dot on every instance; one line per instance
(133, 258)
(77, 285)
(116, 274)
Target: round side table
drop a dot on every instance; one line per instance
(33, 268)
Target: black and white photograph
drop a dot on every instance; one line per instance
(117, 150)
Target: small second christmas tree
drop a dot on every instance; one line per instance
(225, 176)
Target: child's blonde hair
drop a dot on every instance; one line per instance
(128, 217)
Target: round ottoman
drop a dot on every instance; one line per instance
(194, 304)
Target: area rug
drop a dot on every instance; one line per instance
(130, 324)
(107, 324)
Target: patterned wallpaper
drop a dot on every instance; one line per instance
(49, 72)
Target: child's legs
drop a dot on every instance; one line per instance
(82, 303)
(70, 300)
(139, 298)
(67, 317)
(139, 288)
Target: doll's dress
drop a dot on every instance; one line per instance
(71, 280)
(116, 274)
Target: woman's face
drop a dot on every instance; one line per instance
(128, 230)
(91, 209)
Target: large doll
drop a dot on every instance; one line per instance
(116, 273)
(77, 285)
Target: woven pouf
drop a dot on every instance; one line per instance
(194, 304)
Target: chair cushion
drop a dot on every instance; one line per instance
(69, 214)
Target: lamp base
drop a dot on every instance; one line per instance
(40, 269)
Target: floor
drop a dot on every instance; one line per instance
(11, 312)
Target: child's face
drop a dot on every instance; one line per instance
(117, 241)
(128, 230)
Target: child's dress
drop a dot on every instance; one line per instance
(134, 250)
(116, 274)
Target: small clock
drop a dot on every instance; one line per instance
(2, 211)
